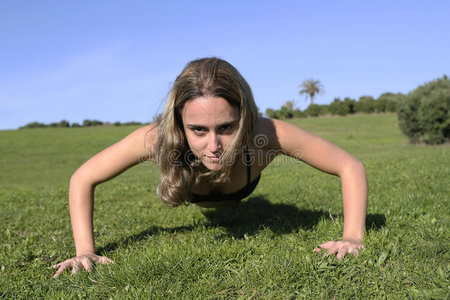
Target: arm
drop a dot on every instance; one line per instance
(331, 159)
(100, 168)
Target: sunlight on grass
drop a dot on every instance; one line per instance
(259, 249)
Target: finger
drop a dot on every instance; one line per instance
(354, 251)
(327, 245)
(75, 267)
(333, 249)
(105, 260)
(55, 266)
(86, 264)
(341, 253)
(323, 246)
(59, 271)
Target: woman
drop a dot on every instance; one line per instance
(211, 149)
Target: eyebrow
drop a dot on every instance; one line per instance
(202, 126)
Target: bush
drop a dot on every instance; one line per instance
(387, 102)
(315, 110)
(87, 123)
(350, 103)
(299, 114)
(63, 123)
(286, 113)
(34, 125)
(423, 114)
(365, 104)
(337, 107)
(273, 114)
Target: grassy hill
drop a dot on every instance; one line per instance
(261, 249)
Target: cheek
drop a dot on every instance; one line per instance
(226, 141)
(195, 143)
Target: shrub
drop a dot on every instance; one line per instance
(286, 113)
(87, 123)
(63, 123)
(387, 102)
(34, 125)
(350, 103)
(337, 107)
(315, 110)
(365, 104)
(299, 114)
(423, 114)
(272, 113)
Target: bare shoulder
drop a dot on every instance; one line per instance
(264, 135)
(145, 140)
(147, 134)
(278, 133)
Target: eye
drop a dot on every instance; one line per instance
(226, 127)
(198, 130)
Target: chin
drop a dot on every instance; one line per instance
(212, 166)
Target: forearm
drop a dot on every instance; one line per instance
(81, 203)
(354, 196)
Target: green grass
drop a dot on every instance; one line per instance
(261, 249)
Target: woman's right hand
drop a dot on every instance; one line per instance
(84, 261)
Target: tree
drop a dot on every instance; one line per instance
(424, 114)
(285, 113)
(387, 102)
(337, 107)
(87, 123)
(287, 110)
(273, 114)
(290, 105)
(260, 114)
(34, 125)
(311, 88)
(350, 103)
(315, 110)
(64, 123)
(365, 104)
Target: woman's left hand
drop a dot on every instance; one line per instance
(341, 248)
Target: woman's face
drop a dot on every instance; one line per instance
(210, 124)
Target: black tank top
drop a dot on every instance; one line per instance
(236, 196)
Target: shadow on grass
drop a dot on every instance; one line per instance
(257, 213)
(249, 217)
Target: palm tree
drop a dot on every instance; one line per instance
(290, 104)
(311, 87)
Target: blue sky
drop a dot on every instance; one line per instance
(115, 60)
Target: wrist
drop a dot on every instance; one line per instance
(353, 237)
(85, 252)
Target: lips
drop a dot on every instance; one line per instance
(213, 158)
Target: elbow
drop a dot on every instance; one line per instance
(76, 177)
(354, 167)
(359, 165)
(81, 178)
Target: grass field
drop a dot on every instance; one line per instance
(261, 249)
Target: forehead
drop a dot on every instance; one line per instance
(206, 110)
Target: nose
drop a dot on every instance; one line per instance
(214, 143)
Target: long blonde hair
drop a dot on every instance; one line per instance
(180, 169)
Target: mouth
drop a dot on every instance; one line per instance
(213, 158)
